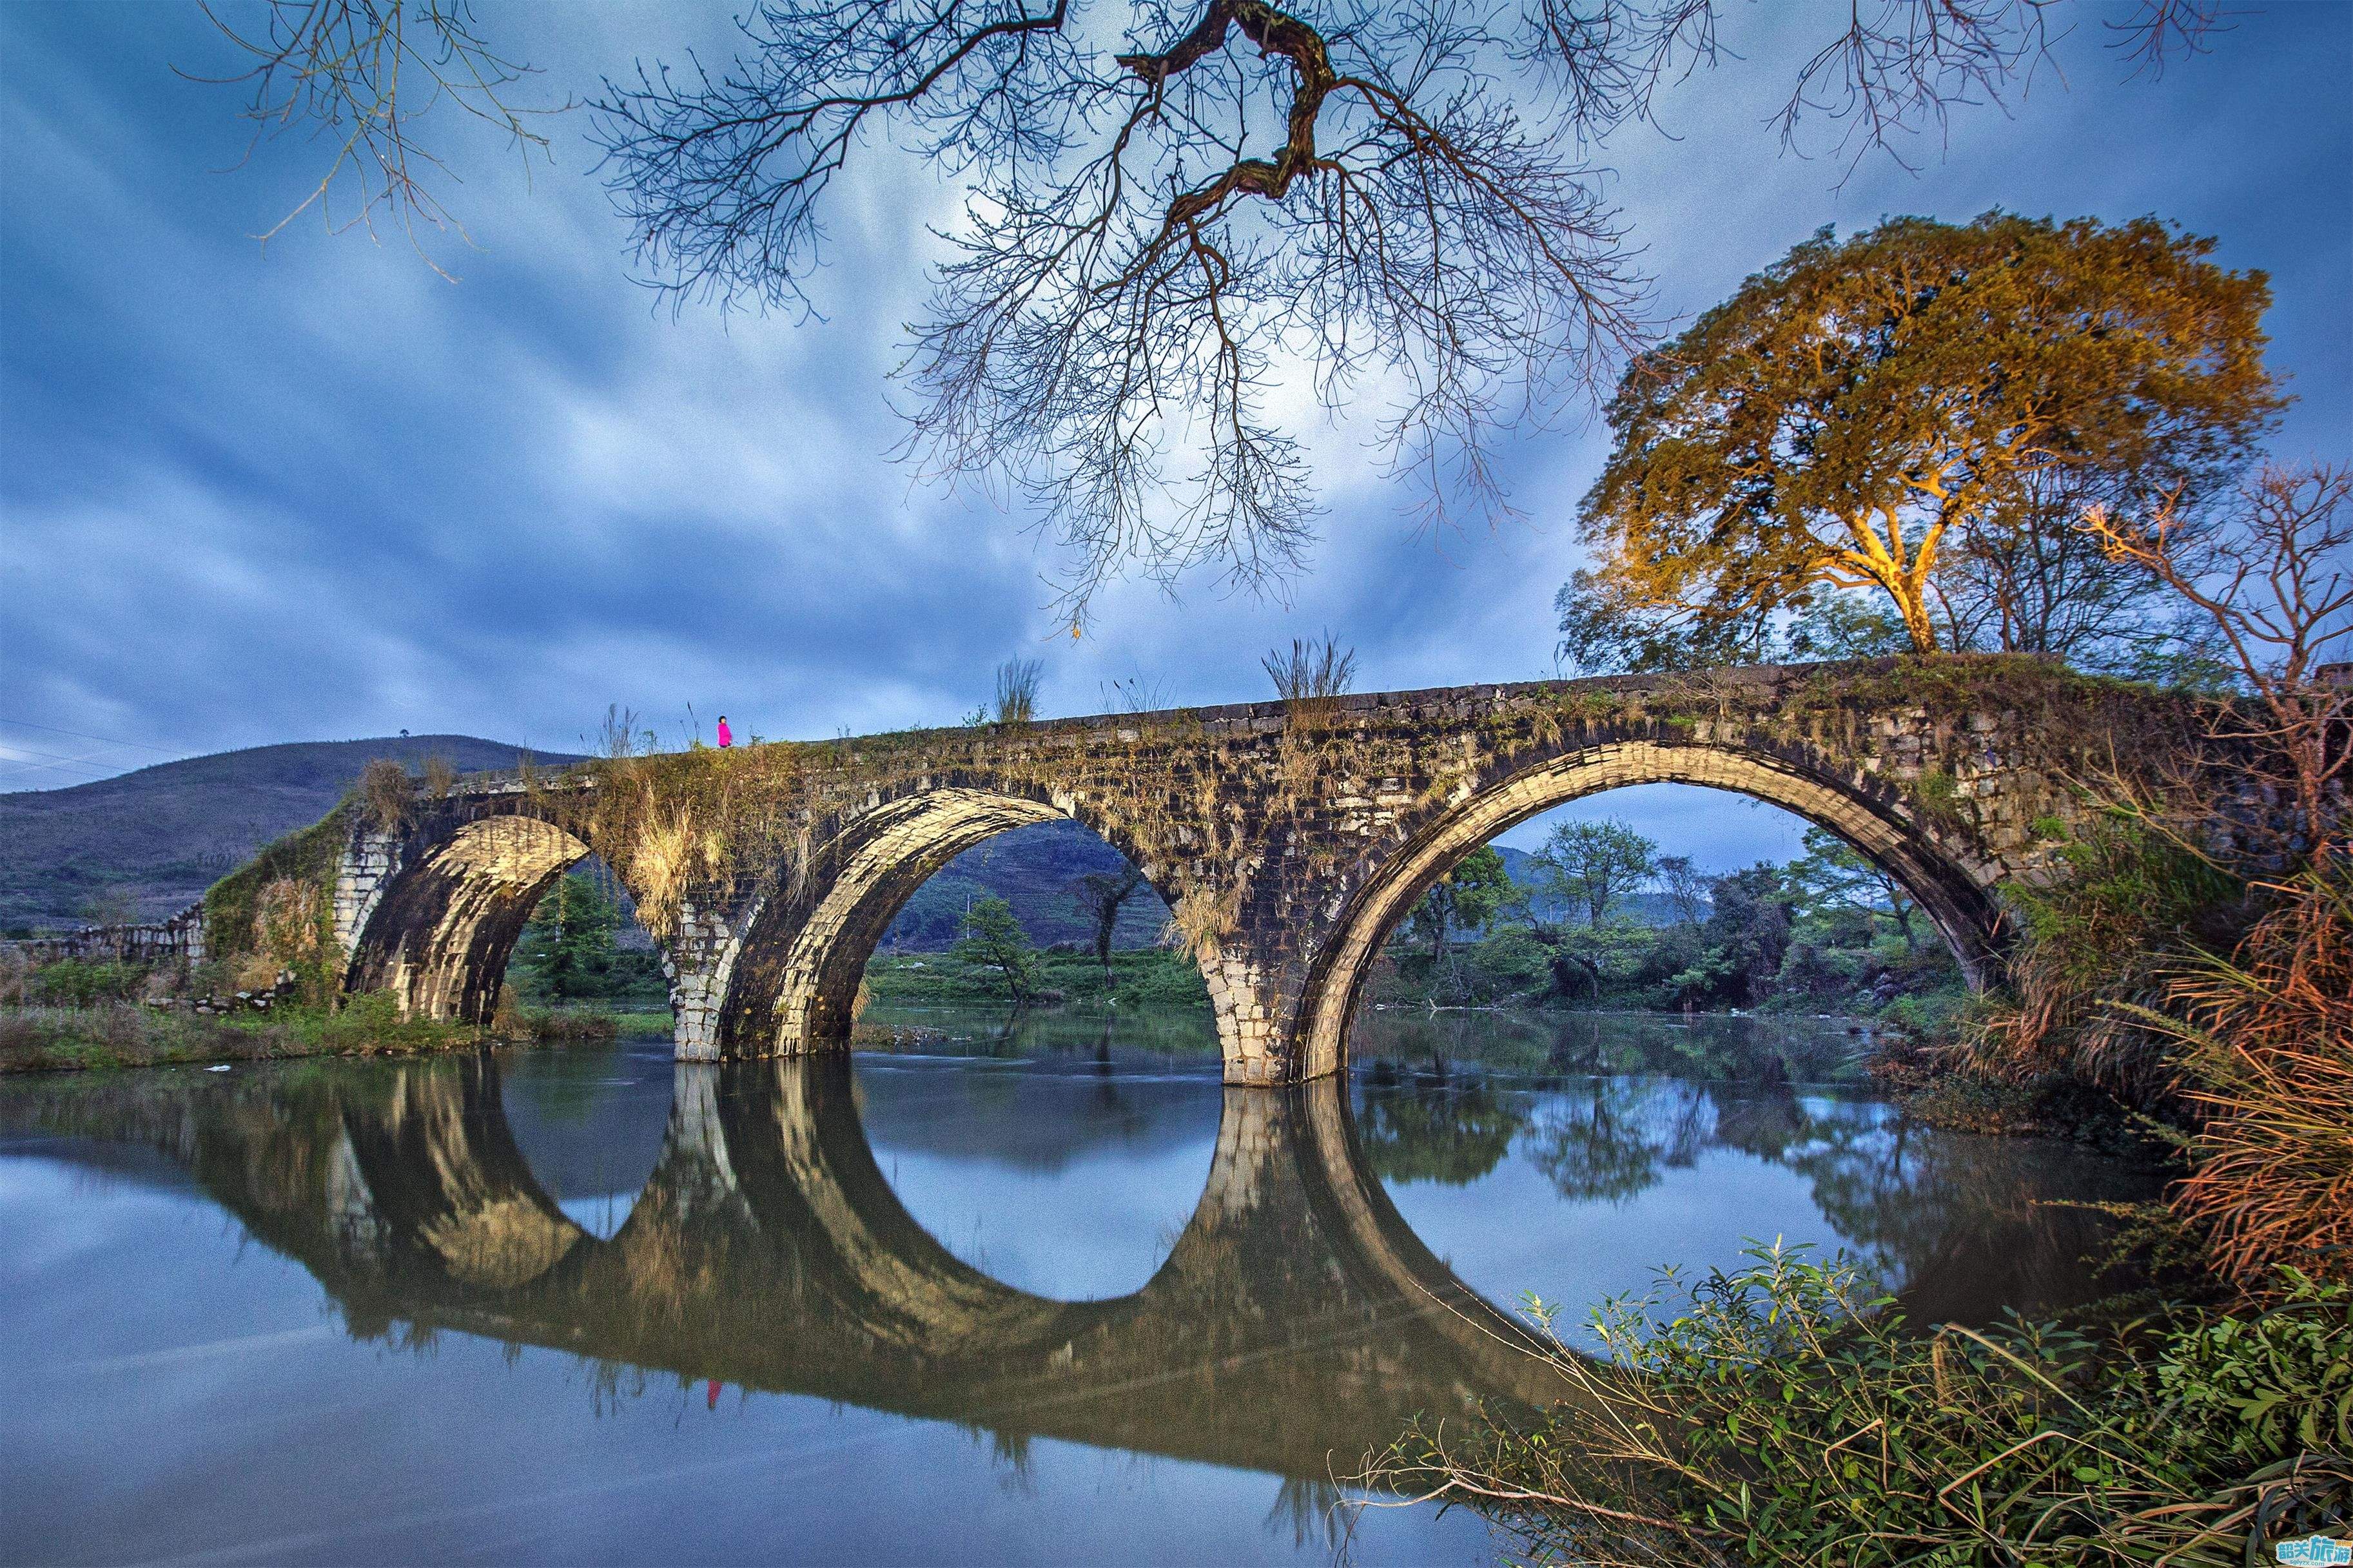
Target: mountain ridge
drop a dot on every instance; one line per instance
(149, 842)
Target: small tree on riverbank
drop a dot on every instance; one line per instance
(1100, 895)
(1595, 866)
(994, 937)
(1466, 899)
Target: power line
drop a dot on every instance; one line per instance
(27, 750)
(89, 775)
(84, 736)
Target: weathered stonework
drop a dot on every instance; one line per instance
(1288, 843)
(179, 940)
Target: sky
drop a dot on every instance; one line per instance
(315, 490)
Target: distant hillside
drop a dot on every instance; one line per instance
(1031, 868)
(1643, 908)
(160, 836)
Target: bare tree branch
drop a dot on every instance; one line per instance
(336, 68)
(1182, 224)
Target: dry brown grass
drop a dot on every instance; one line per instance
(1017, 690)
(1311, 678)
(386, 791)
(285, 932)
(1199, 917)
(2267, 1038)
(659, 865)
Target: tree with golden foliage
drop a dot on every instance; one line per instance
(1865, 409)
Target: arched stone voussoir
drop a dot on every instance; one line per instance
(1866, 815)
(439, 933)
(793, 977)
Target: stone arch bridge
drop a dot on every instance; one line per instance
(1288, 839)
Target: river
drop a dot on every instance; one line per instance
(1024, 1290)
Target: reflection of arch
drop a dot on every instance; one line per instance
(1293, 1325)
(446, 1182)
(1963, 913)
(795, 983)
(440, 937)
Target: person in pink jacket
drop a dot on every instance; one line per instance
(726, 735)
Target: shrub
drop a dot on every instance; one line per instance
(86, 983)
(384, 792)
(2132, 910)
(2266, 1043)
(1788, 1413)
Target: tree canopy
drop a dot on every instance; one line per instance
(993, 937)
(1465, 898)
(1914, 412)
(1595, 866)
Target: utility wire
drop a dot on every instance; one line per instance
(83, 735)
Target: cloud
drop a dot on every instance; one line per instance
(249, 495)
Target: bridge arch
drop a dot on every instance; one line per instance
(439, 936)
(1963, 912)
(794, 982)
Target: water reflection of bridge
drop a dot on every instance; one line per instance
(1295, 1323)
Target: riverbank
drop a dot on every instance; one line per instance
(132, 1035)
(1149, 976)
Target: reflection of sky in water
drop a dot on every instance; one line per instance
(209, 1405)
(1046, 1178)
(1511, 1231)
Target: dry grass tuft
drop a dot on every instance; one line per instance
(1017, 689)
(659, 866)
(386, 791)
(2267, 1060)
(1313, 676)
(287, 935)
(1199, 918)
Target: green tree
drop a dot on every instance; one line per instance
(992, 936)
(1831, 876)
(1747, 930)
(1865, 411)
(1686, 887)
(568, 948)
(1465, 899)
(1595, 864)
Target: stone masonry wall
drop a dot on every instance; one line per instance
(179, 940)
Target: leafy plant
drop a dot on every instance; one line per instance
(1788, 1413)
(992, 936)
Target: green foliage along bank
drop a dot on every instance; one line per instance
(1788, 1413)
(1600, 918)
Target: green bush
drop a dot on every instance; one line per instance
(80, 983)
(1788, 1413)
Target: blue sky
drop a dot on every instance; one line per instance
(317, 491)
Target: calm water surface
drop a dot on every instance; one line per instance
(1040, 1291)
